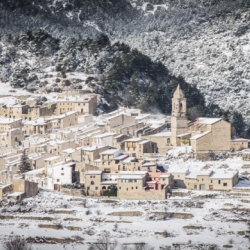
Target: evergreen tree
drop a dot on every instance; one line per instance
(24, 164)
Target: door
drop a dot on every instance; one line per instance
(56, 187)
(210, 187)
(202, 186)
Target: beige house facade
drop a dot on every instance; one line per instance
(218, 180)
(85, 104)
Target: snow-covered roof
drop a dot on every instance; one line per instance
(132, 172)
(129, 159)
(91, 148)
(239, 140)
(35, 171)
(133, 140)
(184, 134)
(195, 137)
(4, 120)
(69, 150)
(15, 194)
(132, 176)
(93, 172)
(178, 171)
(120, 157)
(110, 151)
(205, 120)
(104, 135)
(52, 158)
(118, 136)
(108, 182)
(193, 174)
(143, 142)
(223, 174)
(148, 164)
(162, 134)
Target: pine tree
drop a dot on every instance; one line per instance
(24, 164)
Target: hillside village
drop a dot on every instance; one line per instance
(72, 150)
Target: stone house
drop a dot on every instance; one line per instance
(139, 185)
(105, 139)
(13, 111)
(28, 188)
(11, 138)
(130, 184)
(36, 112)
(9, 123)
(38, 160)
(138, 147)
(205, 135)
(56, 147)
(44, 125)
(58, 174)
(220, 180)
(85, 104)
(90, 154)
(163, 140)
(239, 144)
(93, 181)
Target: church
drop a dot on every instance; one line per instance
(205, 135)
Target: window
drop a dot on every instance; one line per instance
(62, 168)
(178, 176)
(219, 181)
(224, 184)
(120, 187)
(58, 180)
(136, 187)
(62, 173)
(132, 188)
(92, 183)
(168, 140)
(202, 179)
(211, 181)
(127, 189)
(94, 176)
(90, 176)
(96, 188)
(195, 186)
(163, 179)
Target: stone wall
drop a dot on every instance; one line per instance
(72, 192)
(5, 190)
(29, 188)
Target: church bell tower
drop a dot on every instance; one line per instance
(179, 121)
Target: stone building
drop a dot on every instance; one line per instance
(9, 123)
(85, 104)
(11, 138)
(205, 135)
(130, 184)
(138, 147)
(179, 121)
(44, 125)
(219, 179)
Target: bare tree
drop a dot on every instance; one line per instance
(104, 243)
(16, 243)
(142, 246)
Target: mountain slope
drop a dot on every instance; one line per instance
(206, 42)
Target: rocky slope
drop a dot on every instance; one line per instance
(43, 46)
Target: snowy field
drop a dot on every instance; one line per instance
(195, 218)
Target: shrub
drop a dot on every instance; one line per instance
(16, 243)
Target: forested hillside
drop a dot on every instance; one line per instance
(132, 52)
